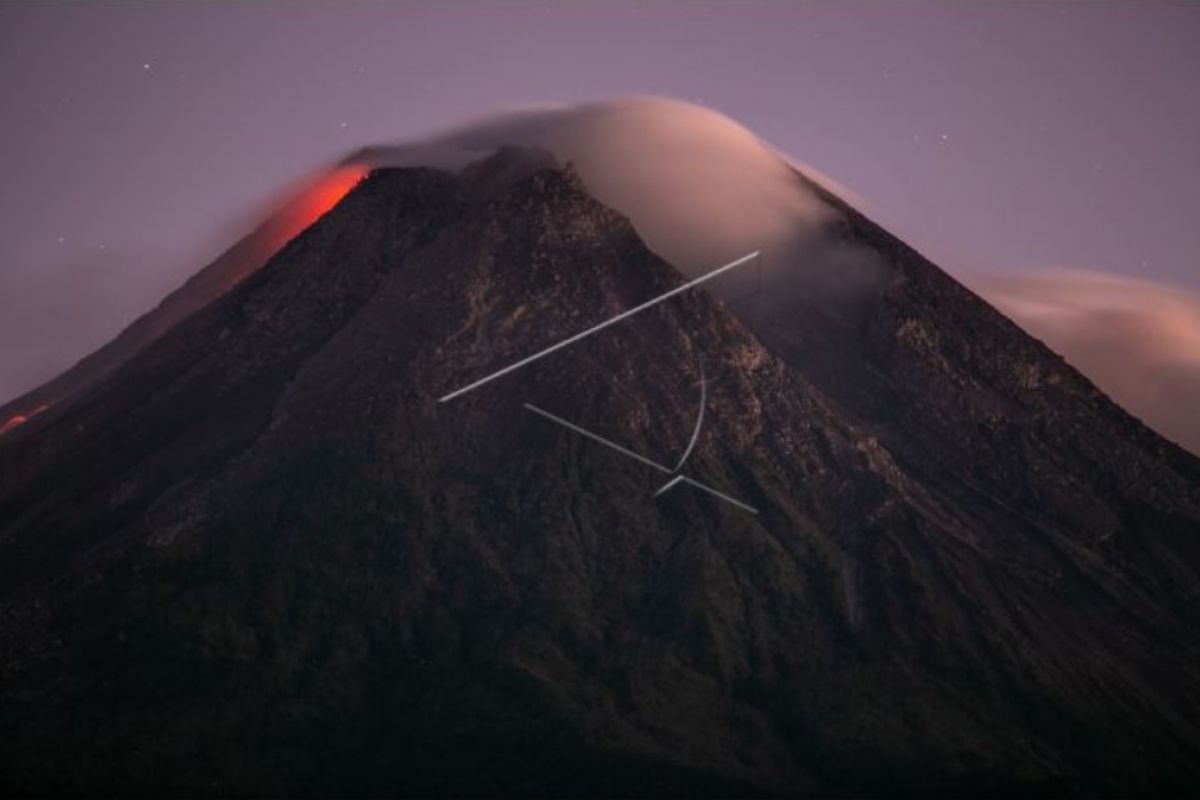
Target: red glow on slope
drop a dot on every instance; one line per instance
(329, 192)
(306, 207)
(21, 419)
(314, 202)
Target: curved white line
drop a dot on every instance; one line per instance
(699, 418)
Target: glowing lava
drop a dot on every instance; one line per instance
(21, 419)
(304, 208)
(314, 202)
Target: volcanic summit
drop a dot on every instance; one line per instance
(244, 549)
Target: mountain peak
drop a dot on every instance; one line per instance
(832, 526)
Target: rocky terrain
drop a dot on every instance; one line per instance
(260, 557)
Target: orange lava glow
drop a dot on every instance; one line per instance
(306, 207)
(314, 202)
(21, 419)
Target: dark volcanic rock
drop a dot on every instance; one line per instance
(261, 558)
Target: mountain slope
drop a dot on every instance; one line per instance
(245, 257)
(261, 557)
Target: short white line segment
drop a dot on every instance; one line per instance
(715, 493)
(669, 484)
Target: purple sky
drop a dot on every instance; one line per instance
(137, 138)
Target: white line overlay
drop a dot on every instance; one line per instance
(699, 418)
(596, 438)
(596, 328)
(675, 481)
(678, 479)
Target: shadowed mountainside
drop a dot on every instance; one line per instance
(260, 557)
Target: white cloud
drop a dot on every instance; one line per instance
(1137, 340)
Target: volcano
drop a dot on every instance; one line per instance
(823, 523)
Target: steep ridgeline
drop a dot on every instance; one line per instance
(261, 557)
(307, 204)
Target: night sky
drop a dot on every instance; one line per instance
(138, 139)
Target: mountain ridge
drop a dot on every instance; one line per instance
(267, 537)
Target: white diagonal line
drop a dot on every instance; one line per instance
(625, 451)
(596, 438)
(611, 321)
(678, 479)
(721, 495)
